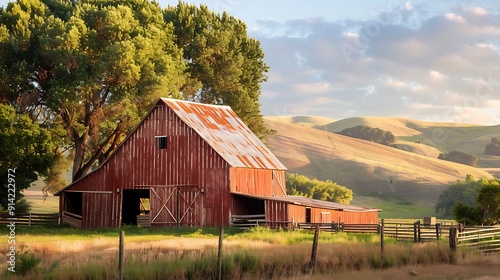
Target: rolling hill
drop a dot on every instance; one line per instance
(410, 175)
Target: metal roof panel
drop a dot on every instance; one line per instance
(310, 202)
(226, 133)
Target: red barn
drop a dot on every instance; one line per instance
(192, 164)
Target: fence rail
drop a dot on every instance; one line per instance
(30, 219)
(486, 240)
(72, 219)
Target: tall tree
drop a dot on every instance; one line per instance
(464, 192)
(488, 198)
(224, 64)
(90, 67)
(26, 151)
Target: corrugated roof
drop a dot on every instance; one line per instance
(310, 202)
(226, 133)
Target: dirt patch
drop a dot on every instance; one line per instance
(487, 268)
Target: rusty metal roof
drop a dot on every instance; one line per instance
(226, 133)
(310, 202)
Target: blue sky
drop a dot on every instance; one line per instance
(426, 60)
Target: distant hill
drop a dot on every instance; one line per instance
(436, 136)
(369, 169)
(303, 120)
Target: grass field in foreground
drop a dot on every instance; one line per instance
(256, 254)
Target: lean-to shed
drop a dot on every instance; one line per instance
(188, 164)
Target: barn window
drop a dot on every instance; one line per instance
(162, 142)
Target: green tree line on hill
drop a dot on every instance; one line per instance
(376, 135)
(493, 148)
(323, 190)
(459, 157)
(87, 71)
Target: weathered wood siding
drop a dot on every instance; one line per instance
(255, 181)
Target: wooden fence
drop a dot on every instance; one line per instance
(245, 222)
(416, 232)
(30, 219)
(486, 239)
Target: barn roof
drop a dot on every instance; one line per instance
(223, 130)
(226, 133)
(310, 202)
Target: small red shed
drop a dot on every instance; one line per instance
(190, 164)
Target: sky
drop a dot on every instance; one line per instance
(425, 60)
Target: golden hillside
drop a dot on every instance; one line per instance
(376, 170)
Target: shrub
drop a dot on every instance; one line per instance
(26, 263)
(459, 157)
(364, 132)
(493, 148)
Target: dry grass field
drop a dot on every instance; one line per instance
(259, 254)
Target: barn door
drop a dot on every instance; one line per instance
(189, 203)
(180, 206)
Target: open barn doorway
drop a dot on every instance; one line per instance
(73, 203)
(134, 203)
(247, 212)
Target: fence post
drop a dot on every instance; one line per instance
(29, 224)
(415, 236)
(314, 249)
(219, 255)
(419, 232)
(438, 230)
(120, 255)
(397, 231)
(382, 239)
(453, 238)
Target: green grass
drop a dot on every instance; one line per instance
(47, 233)
(398, 208)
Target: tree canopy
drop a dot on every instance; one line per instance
(364, 132)
(26, 147)
(472, 201)
(323, 190)
(224, 64)
(493, 148)
(90, 69)
(459, 157)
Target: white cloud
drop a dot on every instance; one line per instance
(455, 17)
(480, 11)
(408, 6)
(436, 74)
(405, 70)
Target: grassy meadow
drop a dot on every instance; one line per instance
(55, 253)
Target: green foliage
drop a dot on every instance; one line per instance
(488, 199)
(466, 214)
(459, 157)
(364, 132)
(23, 206)
(323, 190)
(26, 263)
(225, 66)
(493, 148)
(473, 201)
(464, 192)
(24, 146)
